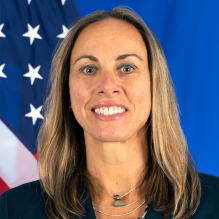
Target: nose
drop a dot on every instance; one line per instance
(108, 84)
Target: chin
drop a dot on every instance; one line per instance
(111, 137)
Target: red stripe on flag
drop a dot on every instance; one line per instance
(3, 186)
(36, 155)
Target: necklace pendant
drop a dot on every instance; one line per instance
(119, 202)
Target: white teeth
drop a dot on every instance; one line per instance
(106, 112)
(116, 110)
(109, 111)
(97, 110)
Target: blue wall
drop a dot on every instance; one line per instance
(189, 34)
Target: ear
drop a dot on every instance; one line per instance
(69, 103)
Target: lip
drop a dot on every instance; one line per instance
(108, 104)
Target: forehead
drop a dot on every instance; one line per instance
(107, 35)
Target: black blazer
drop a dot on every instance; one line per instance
(26, 202)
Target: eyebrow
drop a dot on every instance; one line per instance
(121, 57)
(127, 55)
(92, 58)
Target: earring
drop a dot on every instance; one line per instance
(70, 108)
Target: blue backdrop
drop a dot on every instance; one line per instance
(188, 31)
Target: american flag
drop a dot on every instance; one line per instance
(29, 32)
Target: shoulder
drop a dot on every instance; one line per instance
(28, 189)
(209, 204)
(206, 178)
(25, 201)
(210, 186)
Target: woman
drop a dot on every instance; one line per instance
(111, 144)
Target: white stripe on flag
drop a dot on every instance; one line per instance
(17, 164)
(4, 178)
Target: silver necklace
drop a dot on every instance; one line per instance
(119, 202)
(121, 206)
(117, 215)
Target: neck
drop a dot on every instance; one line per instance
(116, 167)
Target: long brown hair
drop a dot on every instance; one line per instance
(173, 185)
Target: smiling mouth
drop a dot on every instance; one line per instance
(108, 111)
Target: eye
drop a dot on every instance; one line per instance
(127, 68)
(89, 69)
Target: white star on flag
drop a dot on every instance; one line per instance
(34, 113)
(1, 71)
(1, 34)
(32, 33)
(33, 73)
(65, 32)
(63, 2)
(28, 1)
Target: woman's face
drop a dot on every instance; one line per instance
(109, 81)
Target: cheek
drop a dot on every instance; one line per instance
(79, 94)
(140, 88)
(147, 97)
(142, 97)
